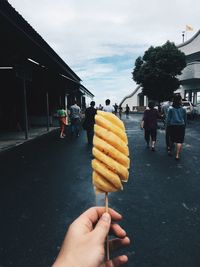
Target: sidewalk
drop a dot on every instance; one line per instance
(12, 139)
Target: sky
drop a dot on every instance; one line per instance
(100, 40)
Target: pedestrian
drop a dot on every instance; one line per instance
(176, 119)
(100, 107)
(149, 124)
(127, 110)
(108, 107)
(120, 111)
(116, 108)
(62, 117)
(75, 118)
(89, 121)
(164, 111)
(84, 243)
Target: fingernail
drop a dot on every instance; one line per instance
(124, 232)
(106, 217)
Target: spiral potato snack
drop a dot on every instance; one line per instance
(110, 164)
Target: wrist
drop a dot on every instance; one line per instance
(67, 262)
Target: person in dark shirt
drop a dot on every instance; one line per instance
(116, 108)
(120, 111)
(127, 111)
(89, 122)
(149, 123)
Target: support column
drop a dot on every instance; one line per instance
(25, 110)
(47, 105)
(195, 98)
(60, 101)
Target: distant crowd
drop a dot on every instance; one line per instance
(74, 117)
(171, 113)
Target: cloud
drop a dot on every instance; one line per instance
(100, 40)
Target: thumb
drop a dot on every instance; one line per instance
(103, 226)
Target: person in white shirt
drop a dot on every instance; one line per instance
(108, 107)
(75, 117)
(164, 111)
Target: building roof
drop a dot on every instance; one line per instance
(86, 91)
(191, 46)
(19, 41)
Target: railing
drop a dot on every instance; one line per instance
(191, 71)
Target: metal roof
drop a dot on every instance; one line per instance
(19, 42)
(86, 91)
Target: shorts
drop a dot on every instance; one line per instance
(177, 133)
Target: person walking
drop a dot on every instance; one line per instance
(62, 117)
(75, 118)
(176, 119)
(149, 124)
(89, 122)
(100, 107)
(116, 108)
(127, 111)
(120, 112)
(108, 107)
(164, 110)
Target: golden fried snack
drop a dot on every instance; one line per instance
(114, 119)
(111, 139)
(112, 164)
(101, 184)
(107, 124)
(110, 150)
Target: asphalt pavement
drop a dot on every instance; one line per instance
(46, 183)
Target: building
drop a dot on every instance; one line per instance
(34, 80)
(190, 78)
(136, 100)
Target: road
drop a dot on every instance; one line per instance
(46, 183)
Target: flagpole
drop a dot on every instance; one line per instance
(187, 29)
(183, 36)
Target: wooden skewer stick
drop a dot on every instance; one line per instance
(107, 239)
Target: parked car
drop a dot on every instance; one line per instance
(196, 110)
(189, 108)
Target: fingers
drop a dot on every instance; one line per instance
(102, 227)
(117, 230)
(85, 222)
(96, 212)
(118, 261)
(117, 243)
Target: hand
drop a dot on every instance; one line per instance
(142, 125)
(84, 243)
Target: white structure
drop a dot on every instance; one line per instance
(135, 99)
(190, 78)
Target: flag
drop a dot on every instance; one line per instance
(188, 28)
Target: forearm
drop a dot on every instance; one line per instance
(67, 262)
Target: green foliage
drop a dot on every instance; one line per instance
(156, 71)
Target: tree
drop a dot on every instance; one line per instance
(157, 71)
